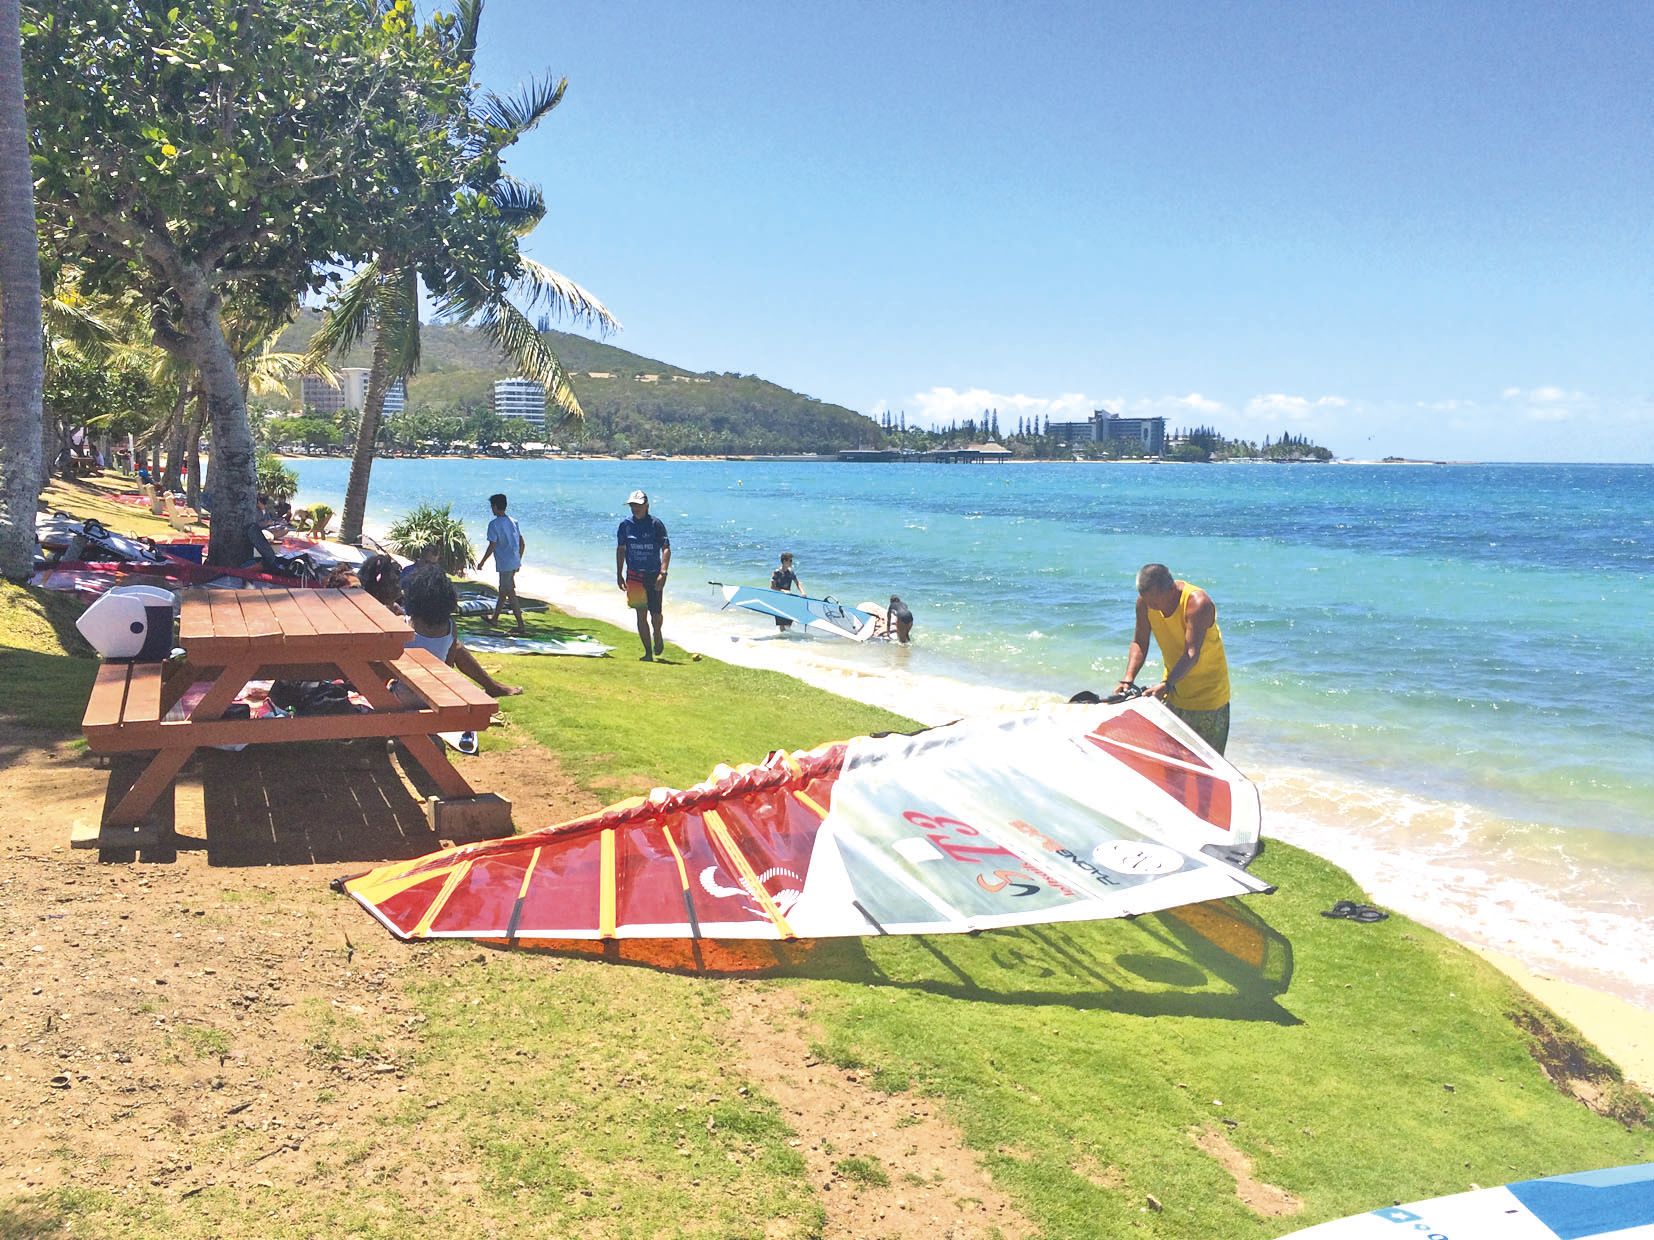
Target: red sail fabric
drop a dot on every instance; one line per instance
(1065, 814)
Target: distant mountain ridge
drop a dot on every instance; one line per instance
(675, 411)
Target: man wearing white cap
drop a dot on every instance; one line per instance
(642, 555)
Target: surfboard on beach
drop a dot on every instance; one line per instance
(1591, 1205)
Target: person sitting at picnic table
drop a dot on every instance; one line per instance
(382, 579)
(429, 599)
(430, 553)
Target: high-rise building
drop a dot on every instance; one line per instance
(351, 392)
(520, 398)
(1105, 427)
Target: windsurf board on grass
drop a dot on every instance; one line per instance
(816, 615)
(1617, 1203)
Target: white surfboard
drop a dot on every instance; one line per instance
(1592, 1205)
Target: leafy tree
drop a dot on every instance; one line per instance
(22, 365)
(457, 229)
(195, 152)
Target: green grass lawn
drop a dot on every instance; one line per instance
(1090, 1066)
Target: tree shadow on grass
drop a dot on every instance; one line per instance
(1219, 961)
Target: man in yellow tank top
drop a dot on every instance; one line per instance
(1184, 621)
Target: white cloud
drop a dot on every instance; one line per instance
(1550, 403)
(1295, 408)
(1451, 405)
(1199, 403)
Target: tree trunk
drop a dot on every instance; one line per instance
(192, 448)
(23, 364)
(361, 461)
(233, 467)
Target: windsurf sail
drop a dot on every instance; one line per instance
(818, 615)
(1070, 813)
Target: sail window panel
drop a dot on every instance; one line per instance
(649, 886)
(564, 895)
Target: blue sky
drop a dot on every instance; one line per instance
(1414, 229)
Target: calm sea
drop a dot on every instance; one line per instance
(1442, 673)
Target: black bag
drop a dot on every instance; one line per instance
(312, 697)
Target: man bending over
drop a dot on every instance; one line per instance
(1184, 621)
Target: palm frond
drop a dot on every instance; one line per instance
(540, 284)
(269, 371)
(519, 113)
(396, 319)
(508, 329)
(467, 21)
(521, 204)
(77, 324)
(347, 316)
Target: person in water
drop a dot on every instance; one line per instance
(898, 621)
(784, 579)
(1184, 621)
(429, 599)
(642, 555)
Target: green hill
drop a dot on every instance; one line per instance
(678, 411)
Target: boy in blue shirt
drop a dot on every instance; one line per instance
(506, 544)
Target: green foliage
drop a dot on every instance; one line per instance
(275, 479)
(684, 412)
(204, 154)
(430, 524)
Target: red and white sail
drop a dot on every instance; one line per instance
(1071, 813)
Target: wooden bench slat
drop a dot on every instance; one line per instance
(173, 734)
(262, 625)
(103, 709)
(459, 683)
(228, 628)
(424, 680)
(286, 609)
(195, 617)
(143, 694)
(377, 613)
(346, 615)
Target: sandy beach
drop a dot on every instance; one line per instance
(1619, 1019)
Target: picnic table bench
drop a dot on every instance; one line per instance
(233, 636)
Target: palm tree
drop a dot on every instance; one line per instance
(22, 370)
(469, 287)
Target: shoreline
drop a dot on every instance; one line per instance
(880, 675)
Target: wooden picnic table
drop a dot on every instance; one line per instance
(234, 636)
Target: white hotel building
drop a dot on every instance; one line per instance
(520, 398)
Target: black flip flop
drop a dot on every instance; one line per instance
(1349, 910)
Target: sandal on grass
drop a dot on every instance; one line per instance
(1349, 910)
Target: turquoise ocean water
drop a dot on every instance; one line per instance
(1451, 664)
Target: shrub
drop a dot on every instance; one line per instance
(275, 479)
(427, 524)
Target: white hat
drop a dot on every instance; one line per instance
(638, 497)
